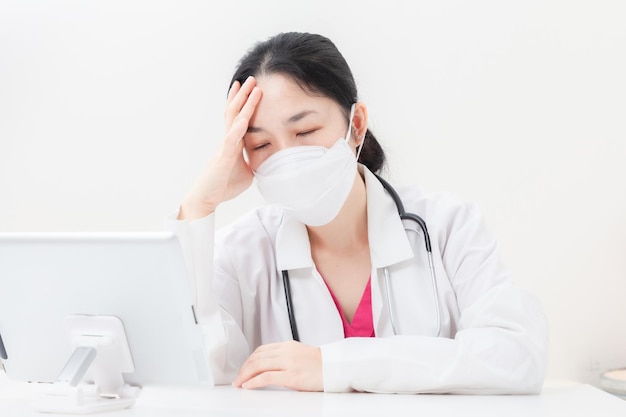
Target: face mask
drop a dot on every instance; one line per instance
(311, 182)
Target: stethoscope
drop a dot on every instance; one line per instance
(404, 216)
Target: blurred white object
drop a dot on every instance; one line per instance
(614, 381)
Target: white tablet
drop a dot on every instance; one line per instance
(139, 278)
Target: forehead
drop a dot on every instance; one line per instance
(278, 86)
(282, 97)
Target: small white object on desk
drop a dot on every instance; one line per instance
(614, 382)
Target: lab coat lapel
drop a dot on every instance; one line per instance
(387, 238)
(388, 241)
(317, 318)
(293, 250)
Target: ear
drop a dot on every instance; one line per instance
(359, 122)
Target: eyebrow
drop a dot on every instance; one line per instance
(296, 117)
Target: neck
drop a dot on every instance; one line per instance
(347, 231)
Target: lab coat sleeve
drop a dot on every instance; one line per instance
(500, 346)
(223, 338)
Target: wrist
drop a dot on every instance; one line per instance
(193, 209)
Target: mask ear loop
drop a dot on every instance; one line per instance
(358, 153)
(349, 133)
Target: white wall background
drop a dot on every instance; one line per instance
(109, 109)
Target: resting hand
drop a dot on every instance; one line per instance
(290, 364)
(227, 174)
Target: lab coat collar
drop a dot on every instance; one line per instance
(387, 238)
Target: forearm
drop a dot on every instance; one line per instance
(224, 341)
(502, 349)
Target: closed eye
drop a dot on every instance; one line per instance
(306, 133)
(259, 147)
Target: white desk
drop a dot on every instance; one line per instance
(567, 400)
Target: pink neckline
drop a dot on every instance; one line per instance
(362, 324)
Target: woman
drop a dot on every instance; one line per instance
(367, 311)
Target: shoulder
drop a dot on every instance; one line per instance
(259, 224)
(444, 212)
(435, 202)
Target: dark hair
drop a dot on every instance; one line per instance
(316, 65)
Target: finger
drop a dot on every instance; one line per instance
(237, 130)
(239, 87)
(267, 352)
(276, 349)
(233, 90)
(239, 98)
(250, 106)
(257, 367)
(240, 123)
(270, 378)
(257, 364)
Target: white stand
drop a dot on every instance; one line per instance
(92, 380)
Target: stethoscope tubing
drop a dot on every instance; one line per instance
(290, 312)
(404, 216)
(431, 265)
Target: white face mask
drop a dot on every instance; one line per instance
(311, 182)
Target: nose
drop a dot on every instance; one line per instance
(284, 142)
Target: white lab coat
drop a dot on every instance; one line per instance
(494, 336)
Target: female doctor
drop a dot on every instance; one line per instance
(326, 288)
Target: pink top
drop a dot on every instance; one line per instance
(362, 324)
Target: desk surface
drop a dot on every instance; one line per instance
(565, 400)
